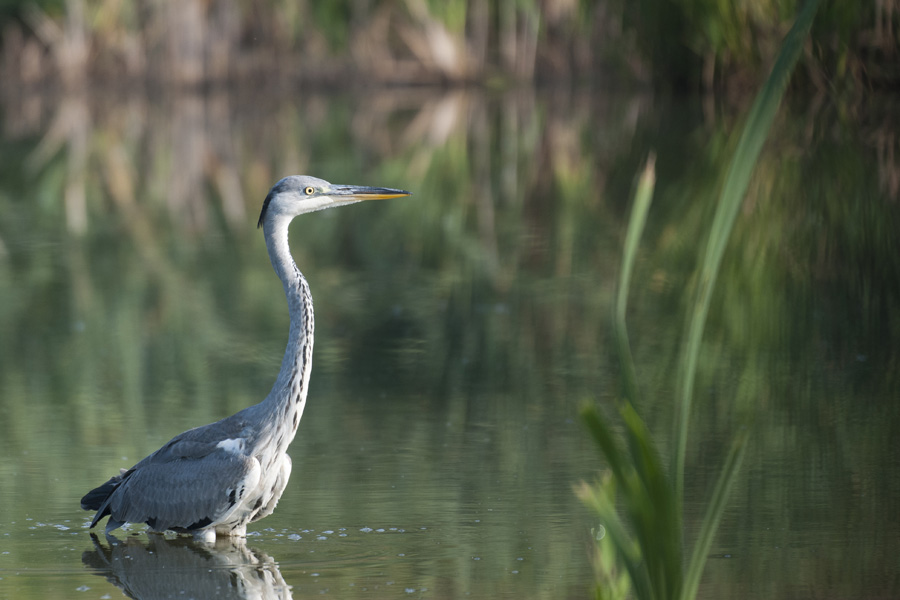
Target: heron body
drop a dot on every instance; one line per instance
(215, 479)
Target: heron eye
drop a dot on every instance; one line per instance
(309, 191)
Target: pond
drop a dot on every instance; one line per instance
(458, 333)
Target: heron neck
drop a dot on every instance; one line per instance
(293, 380)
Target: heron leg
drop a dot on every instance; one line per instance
(205, 535)
(236, 531)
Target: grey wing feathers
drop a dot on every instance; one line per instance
(189, 483)
(198, 442)
(182, 493)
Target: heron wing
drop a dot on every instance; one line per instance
(186, 485)
(200, 441)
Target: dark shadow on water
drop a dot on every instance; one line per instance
(158, 567)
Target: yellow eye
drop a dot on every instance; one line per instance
(309, 191)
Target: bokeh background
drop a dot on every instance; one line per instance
(459, 330)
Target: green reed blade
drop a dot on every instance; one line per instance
(639, 209)
(756, 130)
(714, 514)
(658, 526)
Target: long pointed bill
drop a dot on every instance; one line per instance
(361, 192)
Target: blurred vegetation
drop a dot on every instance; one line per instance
(646, 535)
(669, 44)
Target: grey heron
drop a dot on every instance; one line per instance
(213, 480)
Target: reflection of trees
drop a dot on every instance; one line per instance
(187, 138)
(482, 301)
(69, 133)
(160, 567)
(142, 157)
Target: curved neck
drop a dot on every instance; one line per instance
(293, 380)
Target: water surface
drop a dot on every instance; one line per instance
(457, 334)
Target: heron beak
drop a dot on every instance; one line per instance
(354, 193)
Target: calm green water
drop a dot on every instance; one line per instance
(458, 332)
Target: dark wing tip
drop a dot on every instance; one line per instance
(98, 498)
(95, 498)
(100, 514)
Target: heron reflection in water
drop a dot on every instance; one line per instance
(215, 479)
(161, 567)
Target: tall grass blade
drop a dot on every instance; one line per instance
(756, 130)
(651, 546)
(639, 209)
(605, 439)
(646, 499)
(713, 515)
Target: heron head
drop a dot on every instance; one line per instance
(299, 194)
